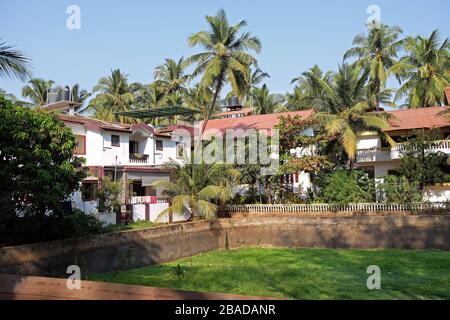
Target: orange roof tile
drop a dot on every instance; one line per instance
(417, 119)
(257, 122)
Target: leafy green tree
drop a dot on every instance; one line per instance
(13, 63)
(343, 187)
(308, 90)
(113, 95)
(349, 110)
(198, 188)
(398, 189)
(420, 166)
(37, 167)
(265, 102)
(108, 195)
(171, 76)
(37, 90)
(226, 59)
(376, 54)
(426, 70)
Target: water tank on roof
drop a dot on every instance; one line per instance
(65, 94)
(233, 101)
(54, 96)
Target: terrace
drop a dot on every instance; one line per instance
(397, 152)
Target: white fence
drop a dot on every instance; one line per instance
(319, 207)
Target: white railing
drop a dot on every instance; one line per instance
(147, 199)
(140, 161)
(396, 152)
(327, 207)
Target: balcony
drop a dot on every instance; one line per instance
(139, 158)
(396, 152)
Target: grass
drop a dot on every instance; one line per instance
(141, 224)
(301, 273)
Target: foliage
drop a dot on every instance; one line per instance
(108, 195)
(265, 102)
(198, 188)
(376, 54)
(342, 187)
(420, 166)
(171, 76)
(37, 167)
(308, 90)
(37, 90)
(395, 189)
(350, 110)
(426, 70)
(78, 224)
(13, 63)
(114, 95)
(226, 59)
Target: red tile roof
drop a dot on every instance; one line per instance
(417, 119)
(447, 94)
(257, 122)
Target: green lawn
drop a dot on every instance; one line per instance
(301, 273)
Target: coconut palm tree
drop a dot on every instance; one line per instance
(256, 77)
(308, 89)
(426, 70)
(199, 98)
(376, 53)
(13, 63)
(226, 59)
(265, 102)
(114, 92)
(36, 90)
(349, 114)
(198, 188)
(171, 76)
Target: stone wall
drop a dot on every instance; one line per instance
(166, 243)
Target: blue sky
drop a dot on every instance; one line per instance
(136, 36)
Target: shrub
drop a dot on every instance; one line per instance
(343, 186)
(398, 190)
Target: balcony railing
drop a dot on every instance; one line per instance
(139, 158)
(396, 152)
(147, 199)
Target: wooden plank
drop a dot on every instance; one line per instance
(43, 288)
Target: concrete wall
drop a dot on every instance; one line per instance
(161, 244)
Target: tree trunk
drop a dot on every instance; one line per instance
(213, 103)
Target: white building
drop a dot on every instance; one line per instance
(381, 160)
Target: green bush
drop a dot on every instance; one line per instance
(395, 189)
(343, 186)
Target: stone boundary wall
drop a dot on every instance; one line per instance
(130, 249)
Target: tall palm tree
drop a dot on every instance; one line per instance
(426, 69)
(37, 90)
(377, 53)
(226, 59)
(171, 76)
(308, 90)
(349, 106)
(79, 95)
(256, 77)
(198, 188)
(13, 63)
(114, 92)
(266, 102)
